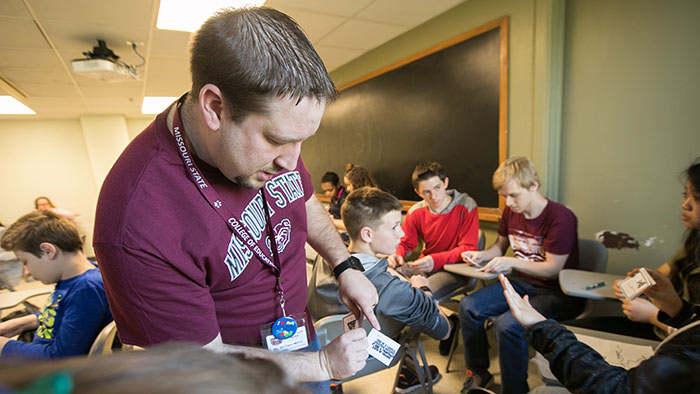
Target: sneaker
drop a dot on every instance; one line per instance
(336, 389)
(446, 344)
(475, 380)
(408, 379)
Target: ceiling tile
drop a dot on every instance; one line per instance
(117, 91)
(315, 25)
(40, 75)
(363, 35)
(340, 8)
(169, 43)
(58, 91)
(18, 57)
(14, 8)
(335, 57)
(124, 13)
(20, 33)
(405, 12)
(75, 39)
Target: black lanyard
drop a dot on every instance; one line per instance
(212, 197)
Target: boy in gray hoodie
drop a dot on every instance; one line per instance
(372, 218)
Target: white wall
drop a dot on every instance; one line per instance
(65, 160)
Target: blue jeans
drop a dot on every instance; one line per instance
(488, 302)
(316, 387)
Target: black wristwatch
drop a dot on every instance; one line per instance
(352, 262)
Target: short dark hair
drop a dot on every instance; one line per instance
(365, 207)
(253, 55)
(32, 229)
(425, 171)
(360, 177)
(330, 177)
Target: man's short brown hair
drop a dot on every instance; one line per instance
(253, 55)
(32, 229)
(425, 171)
(519, 169)
(365, 207)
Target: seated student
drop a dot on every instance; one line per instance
(373, 220)
(544, 239)
(51, 250)
(683, 269)
(448, 223)
(357, 177)
(674, 367)
(337, 193)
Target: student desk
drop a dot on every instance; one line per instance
(14, 298)
(465, 269)
(574, 282)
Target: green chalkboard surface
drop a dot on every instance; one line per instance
(443, 104)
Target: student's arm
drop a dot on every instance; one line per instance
(543, 269)
(409, 305)
(468, 237)
(479, 257)
(14, 327)
(84, 314)
(354, 289)
(342, 358)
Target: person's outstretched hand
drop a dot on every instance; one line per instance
(522, 311)
(663, 294)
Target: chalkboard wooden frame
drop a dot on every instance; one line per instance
(491, 214)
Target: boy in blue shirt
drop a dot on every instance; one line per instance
(51, 250)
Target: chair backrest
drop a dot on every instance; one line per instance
(104, 341)
(330, 327)
(481, 243)
(592, 255)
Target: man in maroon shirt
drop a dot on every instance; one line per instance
(201, 223)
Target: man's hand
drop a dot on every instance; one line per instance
(423, 264)
(395, 260)
(663, 294)
(473, 257)
(522, 311)
(419, 281)
(640, 310)
(345, 355)
(500, 264)
(359, 295)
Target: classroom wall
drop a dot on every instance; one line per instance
(65, 160)
(630, 121)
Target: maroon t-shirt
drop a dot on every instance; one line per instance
(173, 270)
(553, 231)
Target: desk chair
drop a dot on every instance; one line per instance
(449, 301)
(105, 341)
(330, 327)
(592, 256)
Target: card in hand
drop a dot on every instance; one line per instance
(350, 322)
(634, 285)
(381, 347)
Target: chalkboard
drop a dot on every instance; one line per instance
(448, 103)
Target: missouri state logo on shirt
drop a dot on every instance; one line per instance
(284, 189)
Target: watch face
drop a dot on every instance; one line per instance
(355, 263)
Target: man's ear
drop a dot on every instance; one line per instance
(418, 193)
(535, 185)
(48, 249)
(211, 104)
(366, 234)
(447, 182)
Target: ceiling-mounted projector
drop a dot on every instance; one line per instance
(104, 65)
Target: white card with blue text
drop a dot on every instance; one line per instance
(381, 347)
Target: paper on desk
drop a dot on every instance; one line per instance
(625, 355)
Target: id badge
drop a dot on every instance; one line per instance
(283, 336)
